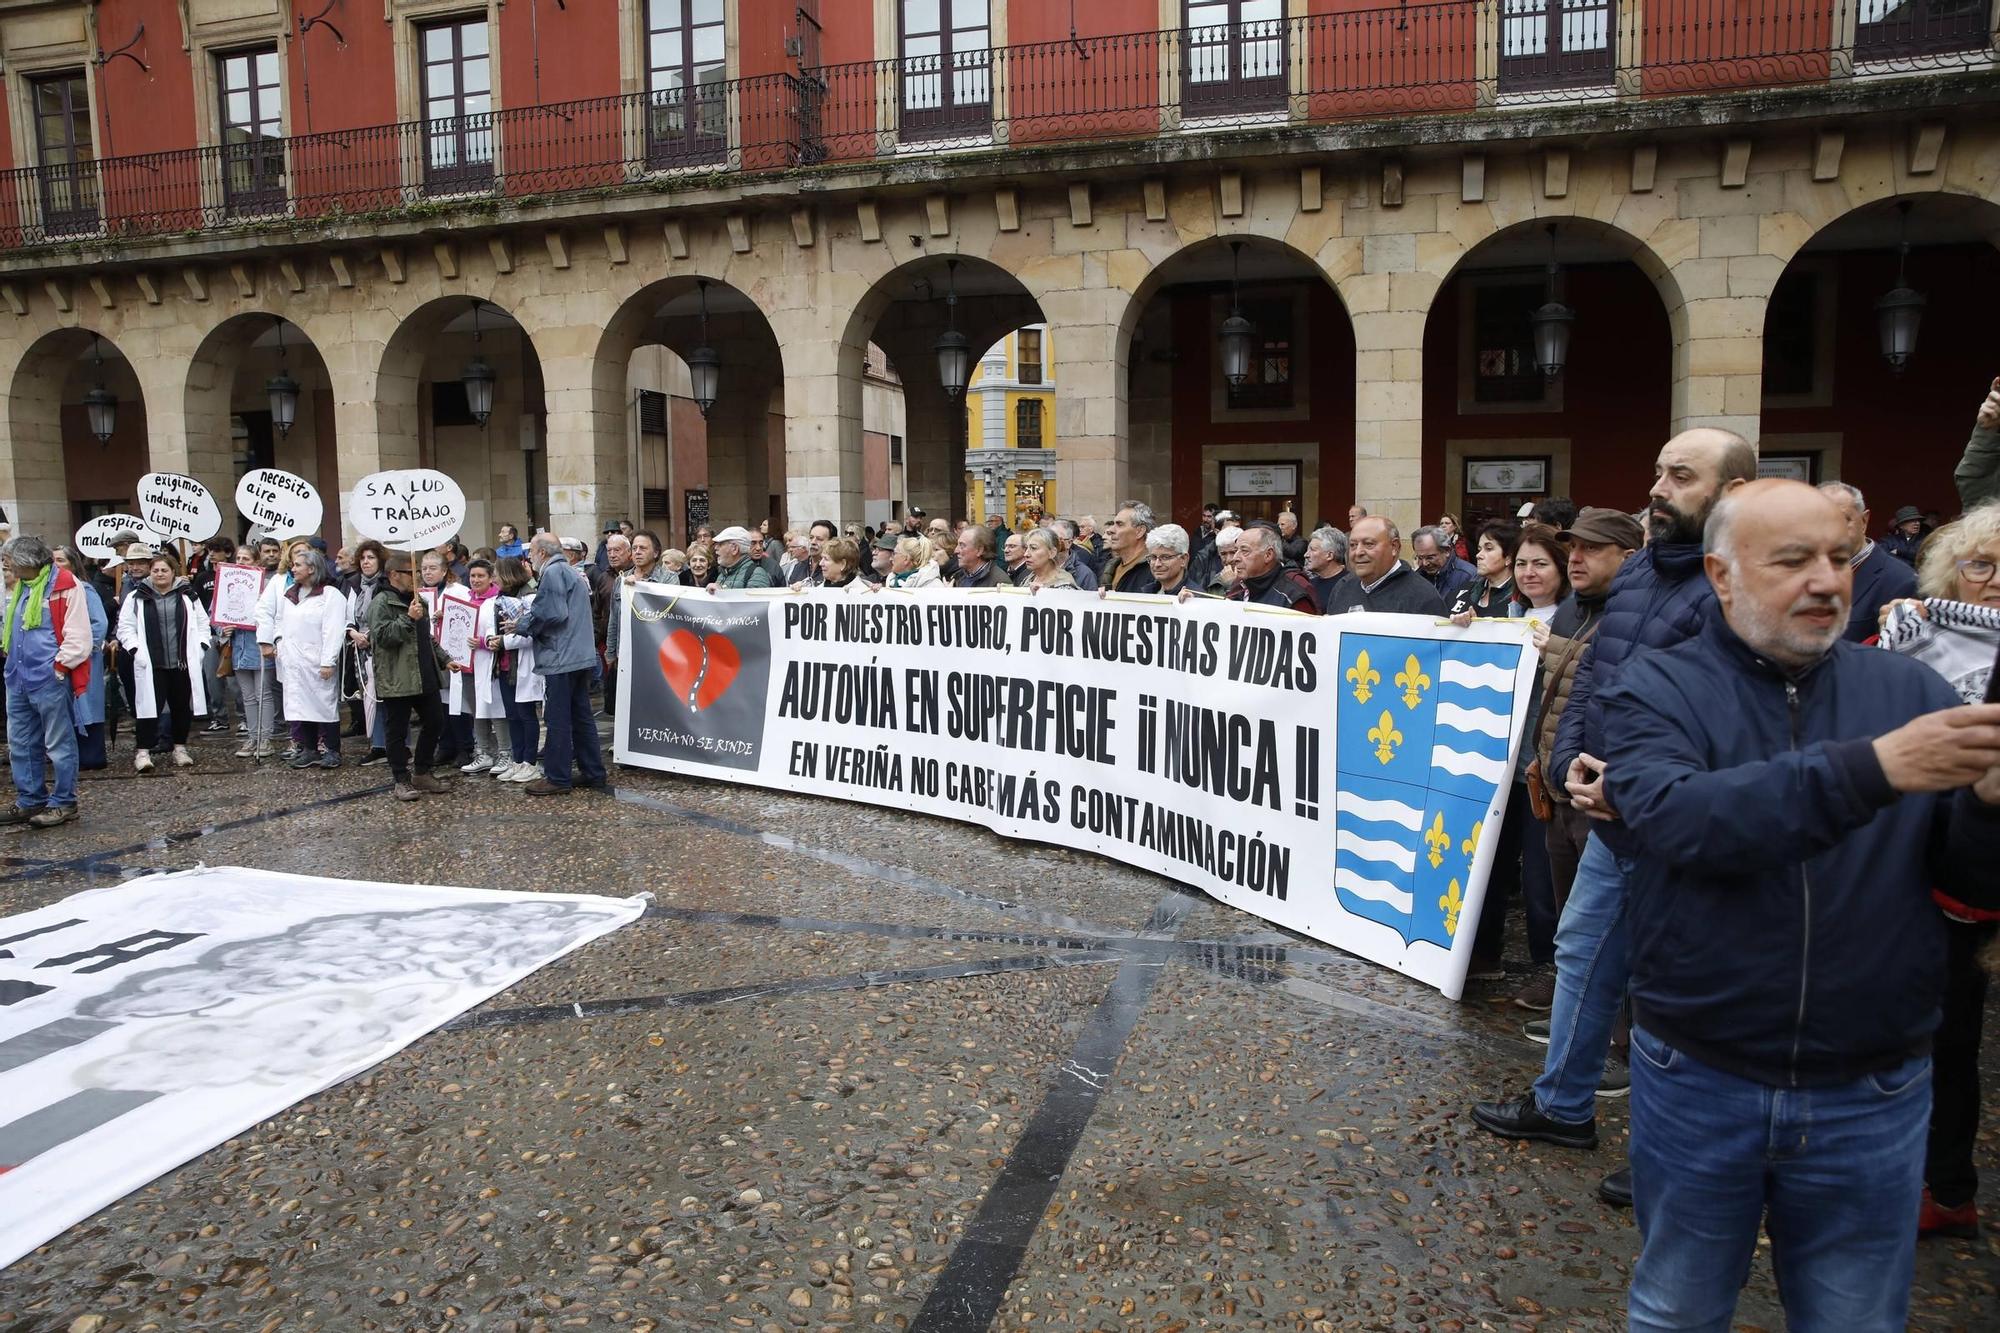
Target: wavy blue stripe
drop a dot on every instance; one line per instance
(1482, 654)
(1471, 742)
(1380, 913)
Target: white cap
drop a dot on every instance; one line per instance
(741, 536)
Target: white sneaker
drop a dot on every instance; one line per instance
(480, 763)
(262, 751)
(247, 751)
(182, 759)
(526, 771)
(142, 762)
(504, 772)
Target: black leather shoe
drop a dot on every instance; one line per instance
(1617, 1188)
(1522, 1119)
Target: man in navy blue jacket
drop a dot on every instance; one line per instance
(1659, 599)
(1793, 800)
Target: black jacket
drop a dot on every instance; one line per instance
(989, 576)
(1879, 579)
(1405, 590)
(1779, 890)
(1283, 586)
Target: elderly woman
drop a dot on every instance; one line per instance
(1956, 630)
(162, 626)
(913, 564)
(840, 567)
(1167, 555)
(312, 623)
(1044, 552)
(45, 637)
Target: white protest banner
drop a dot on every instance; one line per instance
(1333, 775)
(407, 510)
(94, 538)
(142, 1024)
(176, 506)
(282, 504)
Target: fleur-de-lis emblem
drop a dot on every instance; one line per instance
(1450, 902)
(1414, 682)
(1471, 844)
(1363, 678)
(1437, 840)
(1386, 738)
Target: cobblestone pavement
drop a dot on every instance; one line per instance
(854, 1069)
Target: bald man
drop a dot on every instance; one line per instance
(1793, 800)
(1659, 599)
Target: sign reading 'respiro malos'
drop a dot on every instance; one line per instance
(407, 509)
(279, 502)
(177, 506)
(97, 538)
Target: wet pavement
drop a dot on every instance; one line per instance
(854, 1069)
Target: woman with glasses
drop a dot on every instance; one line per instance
(1167, 556)
(1955, 629)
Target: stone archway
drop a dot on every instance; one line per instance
(56, 471)
(1832, 406)
(422, 418)
(227, 413)
(735, 454)
(1590, 432)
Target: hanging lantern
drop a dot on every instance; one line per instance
(1900, 311)
(100, 405)
(954, 353)
(1238, 335)
(477, 377)
(1551, 321)
(283, 391)
(704, 366)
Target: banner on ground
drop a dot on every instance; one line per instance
(1333, 775)
(143, 1024)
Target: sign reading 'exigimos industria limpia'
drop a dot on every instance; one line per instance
(1332, 775)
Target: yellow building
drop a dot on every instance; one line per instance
(1010, 418)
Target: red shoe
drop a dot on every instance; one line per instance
(1933, 1219)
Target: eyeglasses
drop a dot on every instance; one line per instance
(1975, 571)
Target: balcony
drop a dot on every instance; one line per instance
(1461, 56)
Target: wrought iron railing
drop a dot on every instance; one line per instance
(1456, 55)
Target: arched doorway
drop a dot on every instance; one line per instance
(1834, 407)
(235, 422)
(689, 467)
(427, 410)
(1282, 438)
(1499, 430)
(66, 467)
(948, 459)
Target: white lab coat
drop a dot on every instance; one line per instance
(310, 631)
(131, 633)
(529, 688)
(486, 701)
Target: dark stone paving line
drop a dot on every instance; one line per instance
(968, 1292)
(769, 990)
(871, 869)
(92, 861)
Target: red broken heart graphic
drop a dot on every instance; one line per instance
(699, 669)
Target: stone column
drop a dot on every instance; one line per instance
(1388, 296)
(823, 392)
(589, 445)
(1093, 457)
(1716, 303)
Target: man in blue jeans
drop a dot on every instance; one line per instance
(565, 646)
(1658, 599)
(1793, 800)
(45, 635)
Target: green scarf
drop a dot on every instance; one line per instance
(38, 588)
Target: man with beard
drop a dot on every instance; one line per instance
(1791, 801)
(1659, 599)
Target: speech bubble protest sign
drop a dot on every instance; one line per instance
(408, 509)
(282, 504)
(94, 538)
(177, 506)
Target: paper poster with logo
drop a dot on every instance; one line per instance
(234, 605)
(701, 677)
(458, 621)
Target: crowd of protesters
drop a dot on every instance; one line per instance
(1751, 831)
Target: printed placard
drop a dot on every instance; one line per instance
(458, 621)
(234, 604)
